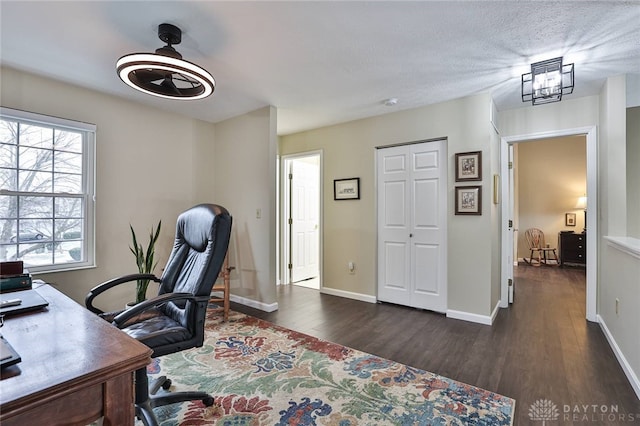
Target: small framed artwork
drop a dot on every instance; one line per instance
(469, 200)
(468, 166)
(570, 219)
(346, 189)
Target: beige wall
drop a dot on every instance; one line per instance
(552, 174)
(612, 151)
(568, 114)
(619, 280)
(633, 172)
(350, 227)
(619, 269)
(146, 170)
(245, 175)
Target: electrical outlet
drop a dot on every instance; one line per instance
(617, 306)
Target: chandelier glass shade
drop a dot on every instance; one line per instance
(164, 73)
(547, 82)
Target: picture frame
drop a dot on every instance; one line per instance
(468, 166)
(346, 189)
(468, 200)
(570, 219)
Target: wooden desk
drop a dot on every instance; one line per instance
(75, 367)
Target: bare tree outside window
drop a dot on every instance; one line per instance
(43, 200)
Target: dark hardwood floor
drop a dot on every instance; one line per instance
(541, 348)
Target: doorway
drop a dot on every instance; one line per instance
(550, 177)
(508, 212)
(301, 219)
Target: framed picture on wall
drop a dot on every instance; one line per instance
(570, 219)
(469, 200)
(346, 189)
(468, 166)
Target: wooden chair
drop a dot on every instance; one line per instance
(535, 239)
(222, 285)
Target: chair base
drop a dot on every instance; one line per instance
(146, 401)
(544, 259)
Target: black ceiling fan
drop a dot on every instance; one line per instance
(165, 73)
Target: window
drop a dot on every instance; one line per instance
(46, 191)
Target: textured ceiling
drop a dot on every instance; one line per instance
(326, 62)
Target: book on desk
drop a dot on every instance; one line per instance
(16, 296)
(14, 277)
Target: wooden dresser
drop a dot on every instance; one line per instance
(573, 248)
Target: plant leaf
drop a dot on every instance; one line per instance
(144, 261)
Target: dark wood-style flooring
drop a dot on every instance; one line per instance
(541, 348)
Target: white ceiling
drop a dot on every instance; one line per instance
(326, 62)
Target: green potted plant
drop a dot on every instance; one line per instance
(145, 261)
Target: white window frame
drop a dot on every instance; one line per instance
(88, 177)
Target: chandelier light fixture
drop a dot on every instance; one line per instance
(164, 73)
(547, 82)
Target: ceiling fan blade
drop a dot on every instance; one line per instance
(147, 75)
(168, 84)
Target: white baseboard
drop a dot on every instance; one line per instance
(468, 316)
(494, 314)
(250, 302)
(349, 295)
(626, 367)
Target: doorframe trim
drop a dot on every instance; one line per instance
(284, 209)
(590, 132)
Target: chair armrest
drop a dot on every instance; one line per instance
(138, 308)
(101, 288)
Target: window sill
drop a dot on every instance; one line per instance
(48, 270)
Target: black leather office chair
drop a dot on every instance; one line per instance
(174, 320)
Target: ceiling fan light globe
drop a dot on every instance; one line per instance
(129, 64)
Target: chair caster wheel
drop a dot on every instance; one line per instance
(167, 384)
(208, 401)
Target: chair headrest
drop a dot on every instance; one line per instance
(196, 225)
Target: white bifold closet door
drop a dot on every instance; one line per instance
(412, 225)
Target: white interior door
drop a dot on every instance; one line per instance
(412, 232)
(305, 212)
(394, 225)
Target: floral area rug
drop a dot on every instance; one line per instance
(263, 374)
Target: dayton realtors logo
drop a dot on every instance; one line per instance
(545, 410)
(602, 414)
